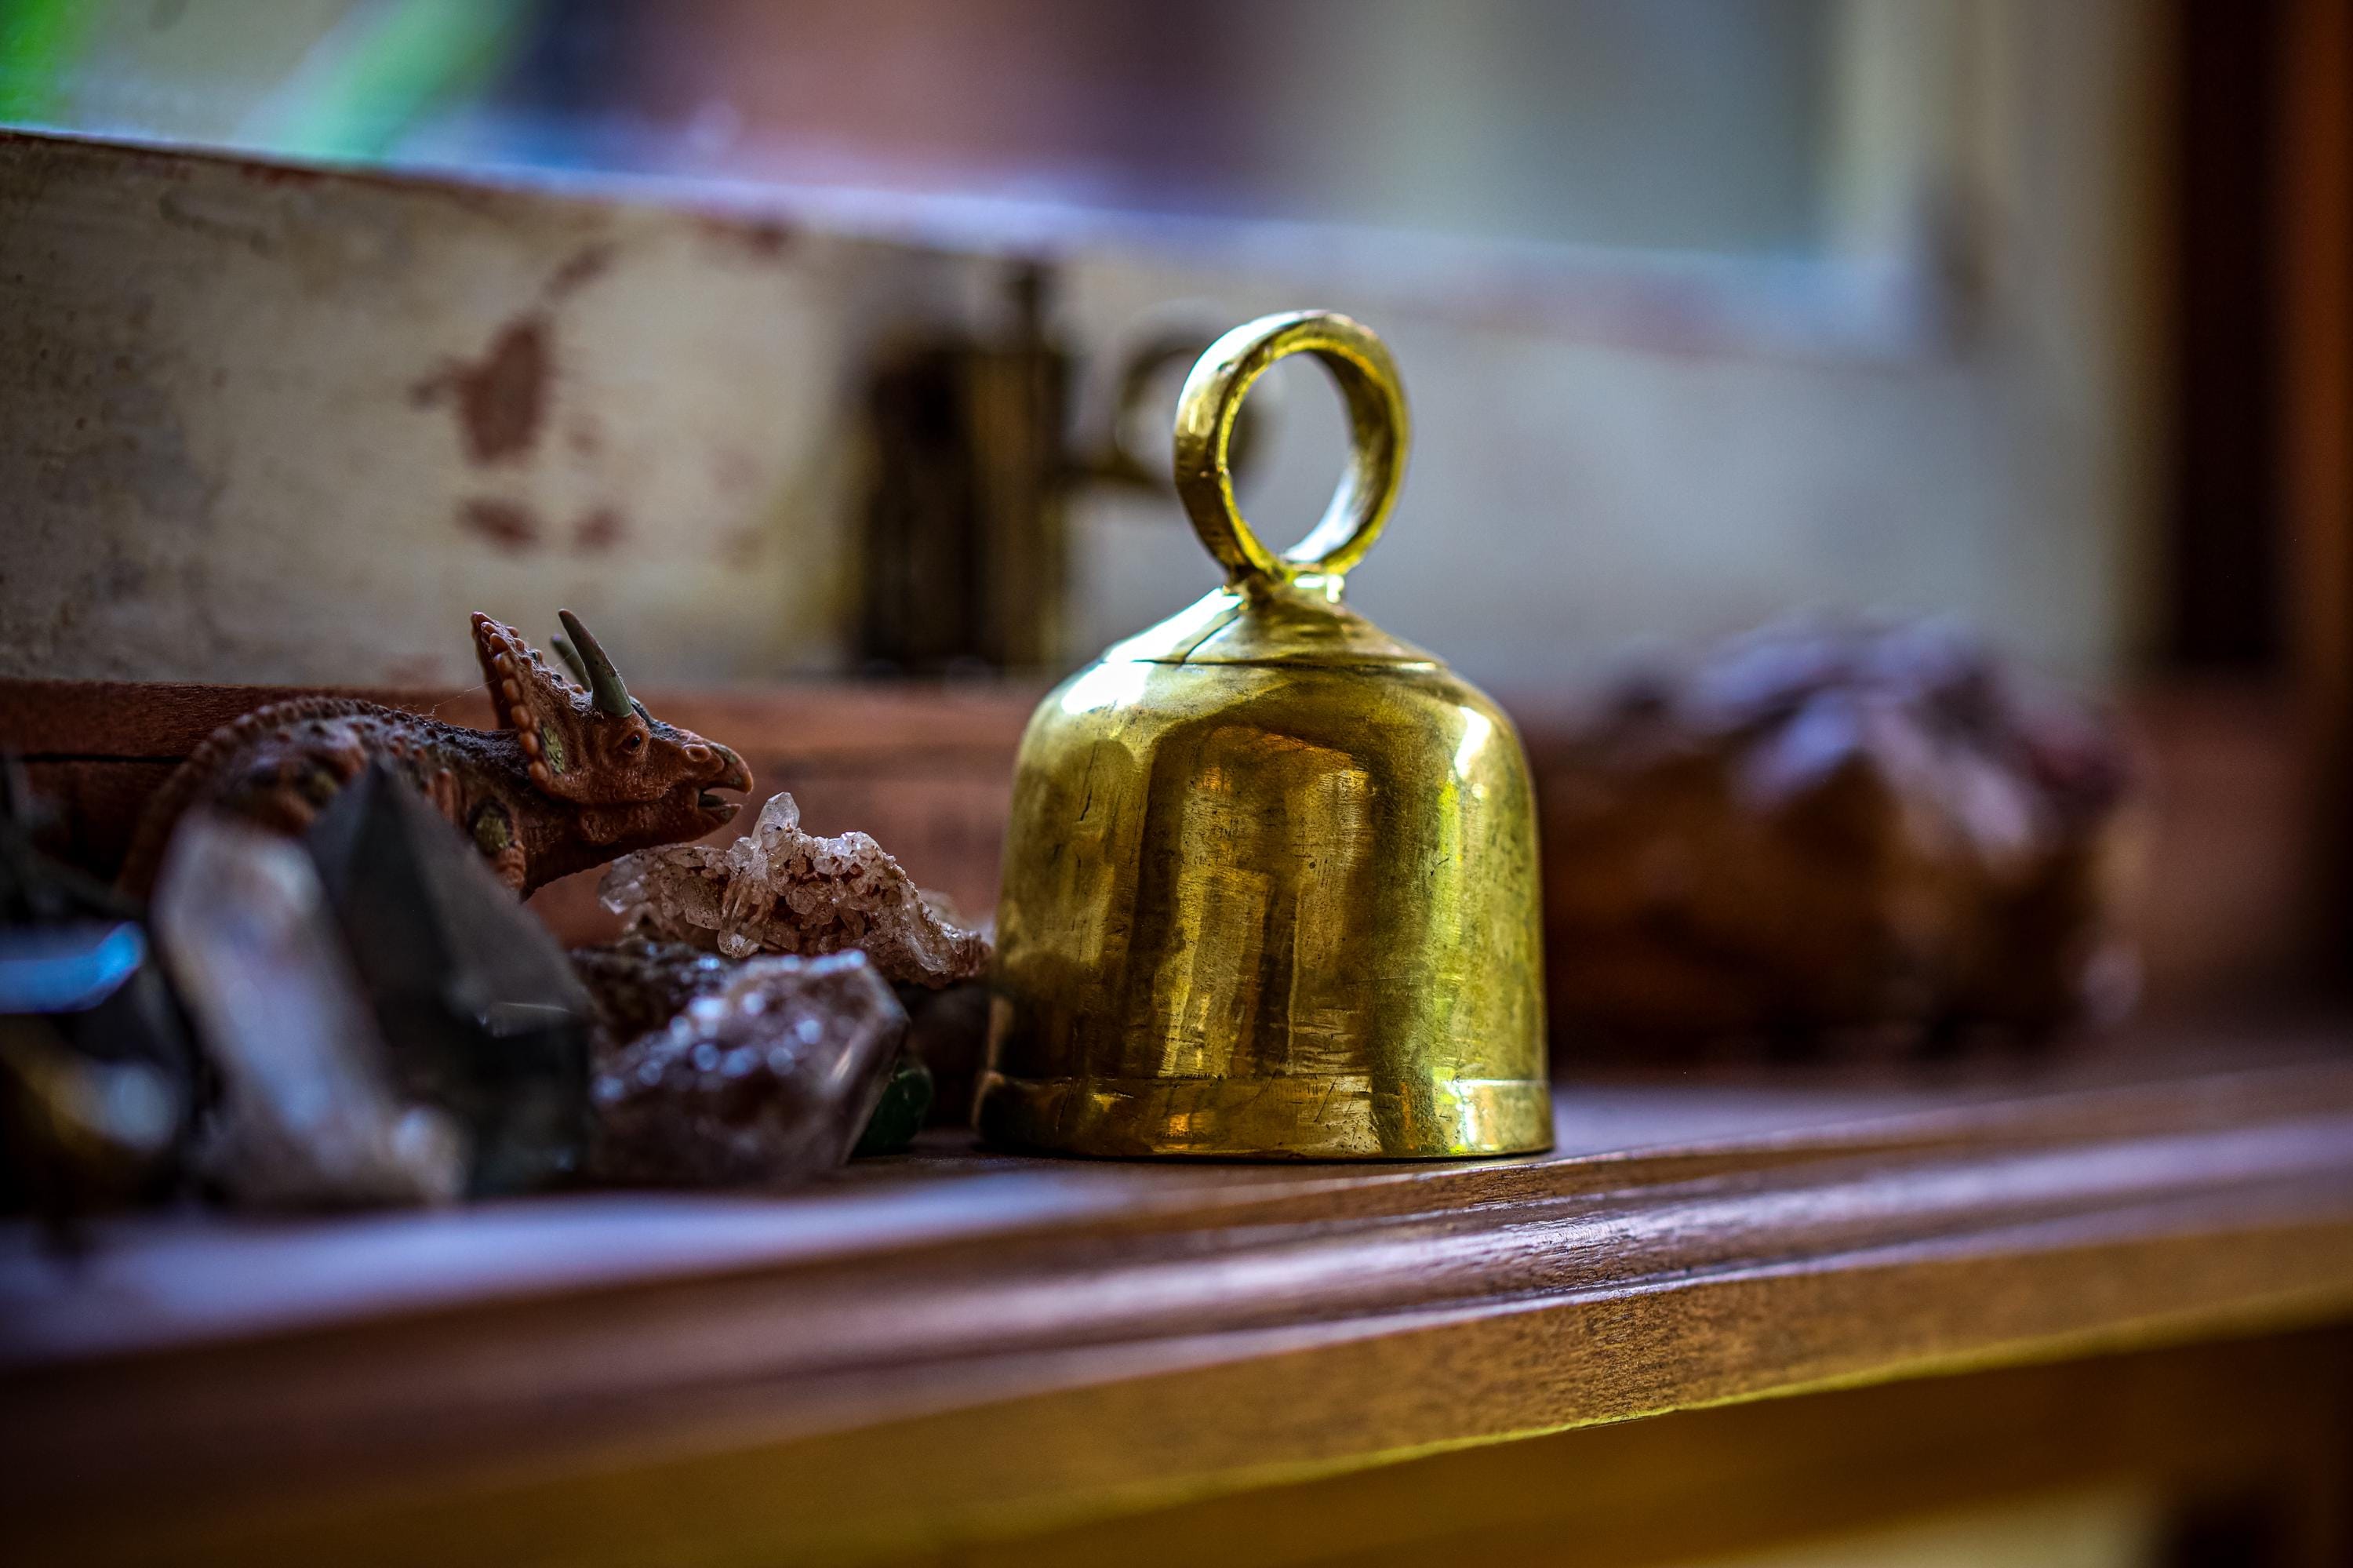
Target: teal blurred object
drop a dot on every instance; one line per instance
(66, 968)
(39, 40)
(331, 80)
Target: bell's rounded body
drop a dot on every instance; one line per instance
(1269, 892)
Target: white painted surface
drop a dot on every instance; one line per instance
(236, 451)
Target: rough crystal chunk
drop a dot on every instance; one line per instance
(476, 1001)
(771, 1077)
(780, 890)
(1862, 836)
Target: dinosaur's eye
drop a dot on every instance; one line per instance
(634, 741)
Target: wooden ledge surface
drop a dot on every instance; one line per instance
(956, 1345)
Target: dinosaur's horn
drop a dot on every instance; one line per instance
(604, 686)
(570, 657)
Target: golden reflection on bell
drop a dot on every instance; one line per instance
(1271, 888)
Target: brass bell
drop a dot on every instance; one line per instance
(1271, 888)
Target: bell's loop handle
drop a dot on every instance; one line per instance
(1211, 402)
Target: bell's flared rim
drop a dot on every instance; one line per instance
(1311, 1116)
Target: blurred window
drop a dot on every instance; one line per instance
(1658, 124)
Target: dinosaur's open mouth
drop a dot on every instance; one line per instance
(734, 777)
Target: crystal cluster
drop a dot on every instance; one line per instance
(770, 1076)
(638, 985)
(641, 986)
(379, 1020)
(1819, 834)
(781, 890)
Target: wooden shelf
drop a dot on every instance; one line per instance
(927, 768)
(956, 1346)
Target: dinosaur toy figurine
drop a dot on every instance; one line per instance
(578, 774)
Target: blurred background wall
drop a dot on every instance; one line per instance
(1707, 312)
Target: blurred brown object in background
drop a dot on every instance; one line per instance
(1832, 837)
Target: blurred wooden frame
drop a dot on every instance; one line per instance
(2259, 548)
(2314, 213)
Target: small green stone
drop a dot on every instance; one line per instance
(492, 832)
(899, 1115)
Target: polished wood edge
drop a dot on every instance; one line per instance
(161, 1283)
(1229, 1324)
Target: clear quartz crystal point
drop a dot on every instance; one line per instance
(308, 1118)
